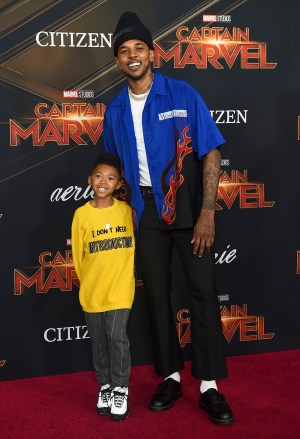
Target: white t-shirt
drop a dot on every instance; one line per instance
(137, 107)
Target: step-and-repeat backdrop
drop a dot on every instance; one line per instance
(57, 76)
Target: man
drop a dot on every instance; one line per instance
(168, 145)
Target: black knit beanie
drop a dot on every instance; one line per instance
(130, 27)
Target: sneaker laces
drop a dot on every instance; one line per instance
(119, 397)
(106, 395)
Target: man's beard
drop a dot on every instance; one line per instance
(140, 76)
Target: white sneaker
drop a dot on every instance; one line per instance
(119, 404)
(103, 404)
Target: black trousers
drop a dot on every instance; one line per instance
(154, 246)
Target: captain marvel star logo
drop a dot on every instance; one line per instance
(217, 47)
(77, 122)
(236, 322)
(235, 188)
(55, 271)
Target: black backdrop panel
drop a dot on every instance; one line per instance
(246, 67)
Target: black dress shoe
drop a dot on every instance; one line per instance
(217, 408)
(166, 394)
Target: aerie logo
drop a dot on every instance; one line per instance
(72, 192)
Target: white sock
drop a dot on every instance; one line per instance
(205, 385)
(105, 386)
(175, 377)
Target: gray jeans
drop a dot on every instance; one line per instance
(110, 346)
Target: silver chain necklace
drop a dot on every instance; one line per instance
(138, 97)
(141, 97)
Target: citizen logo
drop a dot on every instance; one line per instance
(229, 116)
(73, 39)
(66, 333)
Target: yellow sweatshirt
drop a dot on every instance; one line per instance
(103, 253)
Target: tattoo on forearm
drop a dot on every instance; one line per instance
(211, 176)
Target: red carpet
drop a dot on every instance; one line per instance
(263, 391)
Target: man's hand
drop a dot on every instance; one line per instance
(204, 232)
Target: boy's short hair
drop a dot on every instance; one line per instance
(106, 158)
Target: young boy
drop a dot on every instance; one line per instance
(103, 254)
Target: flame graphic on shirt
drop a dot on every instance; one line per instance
(176, 180)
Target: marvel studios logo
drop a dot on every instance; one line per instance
(225, 162)
(223, 297)
(216, 18)
(82, 94)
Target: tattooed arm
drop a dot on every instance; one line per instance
(204, 230)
